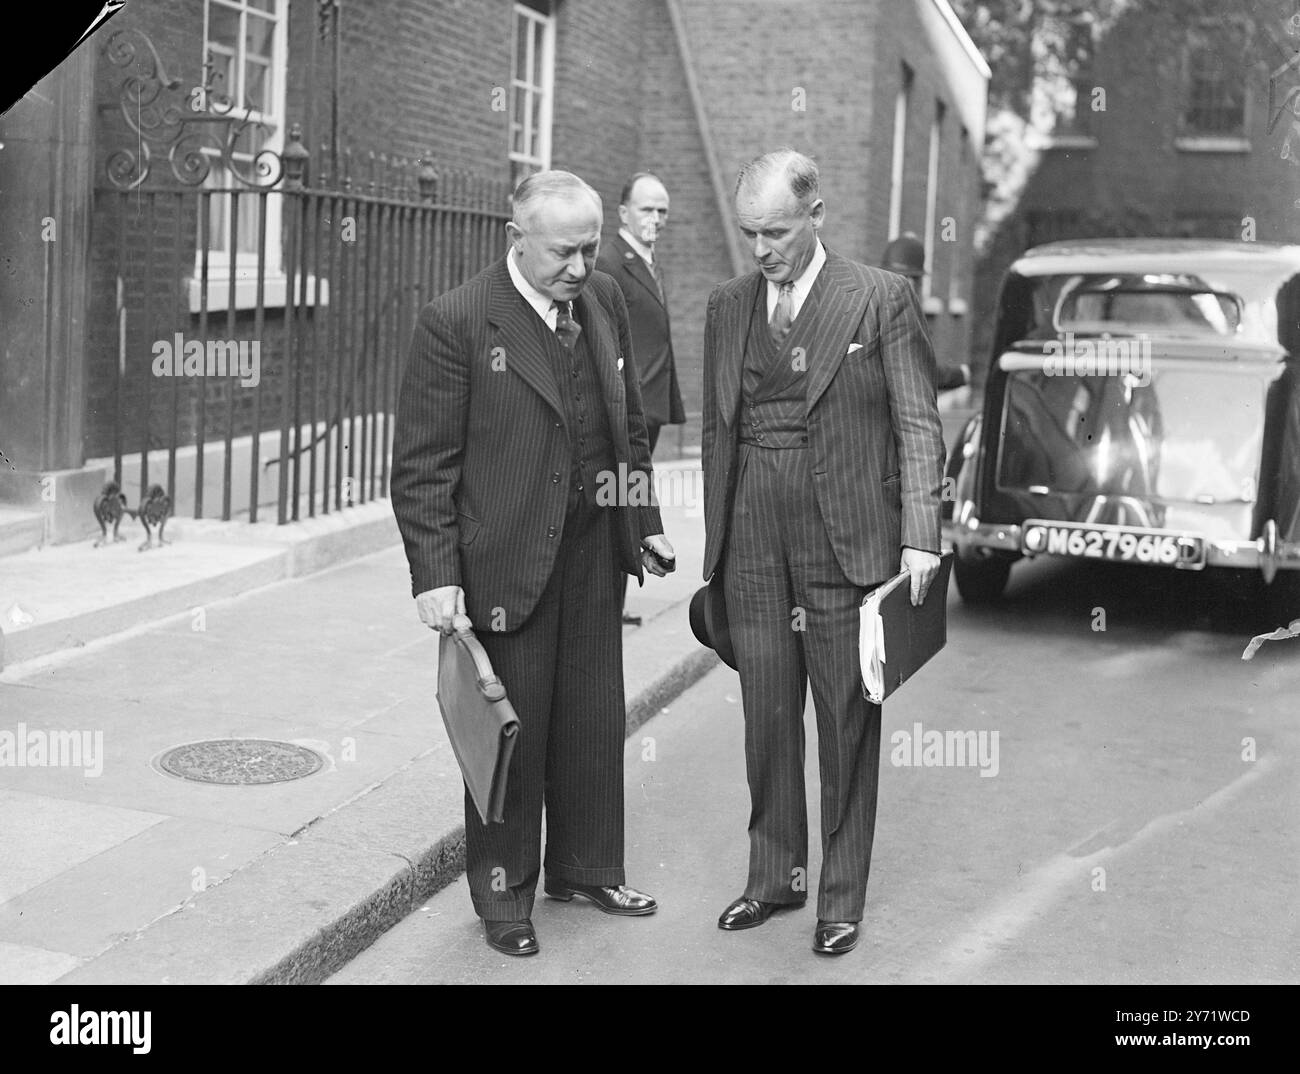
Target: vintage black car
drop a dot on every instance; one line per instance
(1141, 406)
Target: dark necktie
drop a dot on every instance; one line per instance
(783, 315)
(566, 328)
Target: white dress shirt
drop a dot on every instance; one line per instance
(542, 304)
(802, 285)
(646, 252)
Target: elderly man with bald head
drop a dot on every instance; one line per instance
(518, 401)
(823, 466)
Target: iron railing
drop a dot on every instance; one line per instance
(314, 310)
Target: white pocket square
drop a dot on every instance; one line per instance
(853, 347)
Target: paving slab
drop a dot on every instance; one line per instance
(61, 597)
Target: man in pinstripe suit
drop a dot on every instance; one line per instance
(519, 400)
(823, 465)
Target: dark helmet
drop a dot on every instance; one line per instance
(905, 255)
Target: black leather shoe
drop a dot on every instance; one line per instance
(745, 913)
(621, 900)
(835, 937)
(511, 937)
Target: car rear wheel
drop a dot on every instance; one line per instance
(980, 579)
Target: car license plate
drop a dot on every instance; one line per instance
(1154, 547)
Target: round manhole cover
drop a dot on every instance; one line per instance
(240, 761)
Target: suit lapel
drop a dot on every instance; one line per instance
(604, 355)
(517, 336)
(635, 266)
(735, 311)
(844, 303)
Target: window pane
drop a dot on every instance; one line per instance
(263, 5)
(257, 86)
(218, 206)
(528, 76)
(221, 207)
(252, 139)
(258, 36)
(223, 26)
(1216, 102)
(519, 123)
(1184, 436)
(222, 75)
(250, 211)
(523, 28)
(535, 55)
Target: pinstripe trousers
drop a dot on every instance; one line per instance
(563, 673)
(794, 616)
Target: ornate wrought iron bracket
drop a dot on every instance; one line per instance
(194, 128)
(1279, 104)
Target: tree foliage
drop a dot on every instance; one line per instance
(1034, 57)
(1018, 36)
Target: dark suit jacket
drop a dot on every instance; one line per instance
(873, 423)
(481, 452)
(652, 343)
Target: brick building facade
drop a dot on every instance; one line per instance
(887, 96)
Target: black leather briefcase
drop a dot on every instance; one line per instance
(481, 722)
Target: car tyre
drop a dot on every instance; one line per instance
(980, 579)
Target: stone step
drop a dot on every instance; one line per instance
(20, 531)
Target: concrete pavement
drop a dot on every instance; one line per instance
(113, 871)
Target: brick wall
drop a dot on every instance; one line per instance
(419, 76)
(846, 57)
(756, 62)
(694, 246)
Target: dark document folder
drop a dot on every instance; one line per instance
(894, 638)
(481, 722)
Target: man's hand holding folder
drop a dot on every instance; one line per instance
(902, 626)
(923, 567)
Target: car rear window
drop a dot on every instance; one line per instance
(1044, 307)
(1191, 434)
(1151, 304)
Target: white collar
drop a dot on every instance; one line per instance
(802, 285)
(646, 252)
(541, 303)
